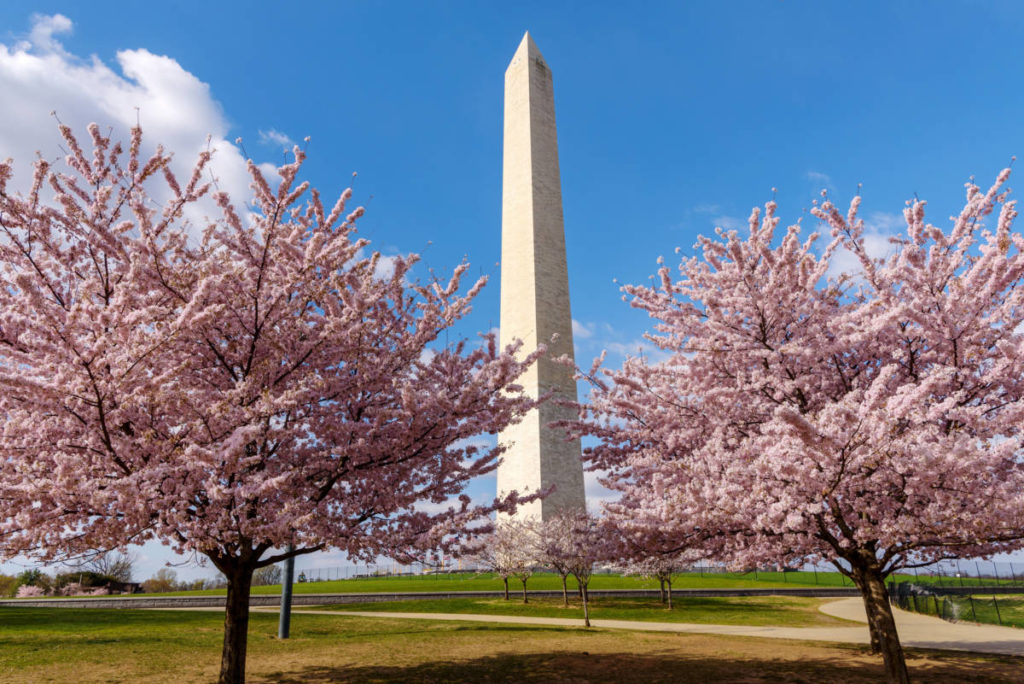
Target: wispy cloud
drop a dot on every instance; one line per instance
(276, 138)
(728, 222)
(821, 181)
(581, 330)
(719, 218)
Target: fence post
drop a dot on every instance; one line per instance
(974, 615)
(959, 574)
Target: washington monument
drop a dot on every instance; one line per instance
(535, 288)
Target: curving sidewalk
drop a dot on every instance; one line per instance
(925, 631)
(915, 630)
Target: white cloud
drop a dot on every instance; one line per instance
(385, 268)
(639, 347)
(718, 218)
(879, 227)
(596, 493)
(176, 109)
(44, 28)
(821, 180)
(276, 138)
(581, 330)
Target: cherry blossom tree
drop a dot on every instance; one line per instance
(235, 388)
(659, 567)
(522, 546)
(867, 419)
(572, 542)
(508, 550)
(646, 544)
(551, 547)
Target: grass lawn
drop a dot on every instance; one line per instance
(788, 611)
(468, 581)
(489, 582)
(1004, 609)
(62, 645)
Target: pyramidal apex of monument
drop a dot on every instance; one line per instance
(528, 49)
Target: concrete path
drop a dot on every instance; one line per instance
(925, 631)
(915, 630)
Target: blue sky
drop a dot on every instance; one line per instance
(673, 118)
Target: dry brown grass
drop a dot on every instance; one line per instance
(141, 646)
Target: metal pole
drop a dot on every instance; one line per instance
(284, 622)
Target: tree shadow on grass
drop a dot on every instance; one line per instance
(572, 667)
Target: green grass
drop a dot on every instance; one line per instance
(1002, 609)
(788, 611)
(468, 581)
(84, 646)
(490, 582)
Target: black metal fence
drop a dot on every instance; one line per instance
(955, 605)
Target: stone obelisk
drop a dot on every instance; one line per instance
(535, 289)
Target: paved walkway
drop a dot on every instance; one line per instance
(915, 630)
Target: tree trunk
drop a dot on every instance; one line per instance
(869, 609)
(668, 583)
(565, 593)
(882, 624)
(236, 627)
(506, 587)
(525, 600)
(586, 604)
(661, 581)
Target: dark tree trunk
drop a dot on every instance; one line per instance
(525, 599)
(565, 593)
(236, 627)
(586, 604)
(668, 583)
(661, 581)
(882, 623)
(869, 609)
(505, 579)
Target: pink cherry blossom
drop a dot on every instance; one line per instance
(871, 420)
(230, 388)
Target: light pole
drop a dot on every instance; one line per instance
(284, 621)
